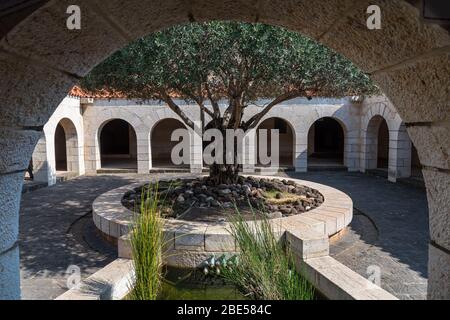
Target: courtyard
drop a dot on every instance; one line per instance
(281, 150)
(389, 231)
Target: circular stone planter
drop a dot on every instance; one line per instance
(190, 243)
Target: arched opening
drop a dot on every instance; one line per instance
(383, 146)
(326, 140)
(66, 148)
(118, 146)
(60, 149)
(377, 144)
(344, 35)
(162, 144)
(286, 141)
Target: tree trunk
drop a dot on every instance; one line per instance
(224, 173)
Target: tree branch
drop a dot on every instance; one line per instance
(175, 108)
(253, 121)
(214, 103)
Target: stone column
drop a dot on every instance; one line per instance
(352, 150)
(40, 162)
(249, 153)
(399, 155)
(196, 151)
(143, 151)
(438, 191)
(301, 150)
(16, 147)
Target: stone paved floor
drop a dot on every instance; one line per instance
(56, 231)
(390, 230)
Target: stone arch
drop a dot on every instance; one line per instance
(161, 144)
(117, 145)
(376, 143)
(327, 143)
(68, 130)
(406, 58)
(287, 139)
(69, 153)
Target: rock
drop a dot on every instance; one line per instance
(225, 191)
(227, 205)
(246, 189)
(291, 189)
(274, 215)
(285, 210)
(222, 186)
(180, 199)
(214, 203)
(189, 193)
(278, 195)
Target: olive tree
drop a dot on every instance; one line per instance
(237, 62)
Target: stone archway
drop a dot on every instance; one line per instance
(60, 149)
(377, 144)
(326, 144)
(407, 58)
(161, 143)
(286, 140)
(66, 147)
(118, 145)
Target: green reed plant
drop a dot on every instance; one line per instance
(264, 270)
(147, 246)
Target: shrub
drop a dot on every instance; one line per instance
(264, 270)
(147, 246)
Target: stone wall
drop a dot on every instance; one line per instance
(299, 114)
(68, 115)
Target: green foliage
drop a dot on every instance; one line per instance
(264, 270)
(230, 59)
(147, 248)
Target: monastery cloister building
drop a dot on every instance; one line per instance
(90, 136)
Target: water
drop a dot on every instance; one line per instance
(191, 284)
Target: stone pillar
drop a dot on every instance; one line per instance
(40, 162)
(250, 154)
(301, 152)
(16, 147)
(143, 152)
(438, 191)
(399, 155)
(196, 151)
(352, 150)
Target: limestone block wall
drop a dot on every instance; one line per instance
(68, 115)
(373, 110)
(142, 117)
(83, 124)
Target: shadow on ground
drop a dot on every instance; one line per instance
(400, 214)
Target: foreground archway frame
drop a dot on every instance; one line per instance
(40, 60)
